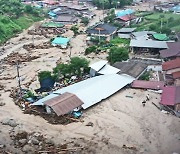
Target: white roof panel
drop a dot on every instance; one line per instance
(107, 69)
(126, 30)
(148, 44)
(41, 101)
(98, 65)
(93, 90)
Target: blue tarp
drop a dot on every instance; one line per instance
(60, 41)
(176, 8)
(51, 14)
(124, 12)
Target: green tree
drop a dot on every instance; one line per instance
(28, 9)
(107, 4)
(85, 20)
(90, 50)
(110, 16)
(78, 65)
(75, 29)
(62, 70)
(166, 30)
(44, 75)
(154, 27)
(117, 54)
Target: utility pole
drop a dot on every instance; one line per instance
(70, 51)
(19, 82)
(103, 11)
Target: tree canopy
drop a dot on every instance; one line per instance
(117, 54)
(77, 66)
(107, 4)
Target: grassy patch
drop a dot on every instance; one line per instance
(156, 16)
(9, 27)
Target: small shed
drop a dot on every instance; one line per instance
(124, 12)
(125, 32)
(64, 103)
(102, 68)
(60, 41)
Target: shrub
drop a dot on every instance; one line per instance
(90, 50)
(145, 76)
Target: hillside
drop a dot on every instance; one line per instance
(14, 17)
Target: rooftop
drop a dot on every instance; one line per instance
(90, 91)
(155, 85)
(172, 64)
(126, 30)
(170, 95)
(52, 25)
(176, 75)
(67, 18)
(64, 103)
(126, 17)
(125, 12)
(105, 29)
(142, 43)
(161, 37)
(60, 41)
(172, 51)
(131, 68)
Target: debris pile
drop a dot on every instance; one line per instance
(40, 110)
(37, 143)
(31, 46)
(13, 58)
(46, 31)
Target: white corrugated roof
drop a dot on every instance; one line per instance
(98, 65)
(41, 101)
(93, 90)
(148, 44)
(107, 69)
(126, 30)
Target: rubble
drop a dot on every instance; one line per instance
(51, 118)
(13, 58)
(42, 144)
(46, 31)
(31, 46)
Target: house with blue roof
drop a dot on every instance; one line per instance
(124, 12)
(176, 9)
(60, 41)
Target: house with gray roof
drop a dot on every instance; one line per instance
(125, 32)
(103, 29)
(66, 19)
(143, 45)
